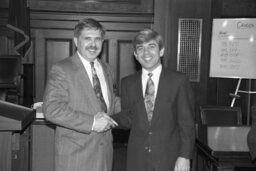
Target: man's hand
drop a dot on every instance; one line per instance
(182, 164)
(102, 122)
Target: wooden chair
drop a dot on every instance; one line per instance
(214, 116)
(221, 116)
(251, 137)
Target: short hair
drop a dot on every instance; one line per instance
(147, 35)
(88, 23)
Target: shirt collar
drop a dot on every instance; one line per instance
(155, 72)
(96, 62)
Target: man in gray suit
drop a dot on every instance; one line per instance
(78, 99)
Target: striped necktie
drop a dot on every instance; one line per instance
(149, 97)
(97, 88)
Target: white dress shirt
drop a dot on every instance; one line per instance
(100, 75)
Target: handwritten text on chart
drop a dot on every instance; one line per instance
(229, 55)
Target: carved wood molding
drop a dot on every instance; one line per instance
(101, 6)
(112, 22)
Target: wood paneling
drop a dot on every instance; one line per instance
(89, 6)
(53, 35)
(238, 8)
(14, 151)
(111, 22)
(167, 14)
(54, 45)
(5, 151)
(113, 6)
(7, 41)
(50, 47)
(42, 146)
(126, 59)
(52, 55)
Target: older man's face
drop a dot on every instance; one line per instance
(89, 43)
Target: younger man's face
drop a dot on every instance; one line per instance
(148, 55)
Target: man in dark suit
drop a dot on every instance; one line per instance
(158, 108)
(78, 95)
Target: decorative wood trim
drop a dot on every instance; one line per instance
(100, 1)
(92, 6)
(46, 20)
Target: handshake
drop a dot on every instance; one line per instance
(102, 122)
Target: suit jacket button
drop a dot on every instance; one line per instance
(150, 133)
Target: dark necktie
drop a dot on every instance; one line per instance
(97, 88)
(149, 97)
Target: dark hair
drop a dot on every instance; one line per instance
(88, 23)
(147, 35)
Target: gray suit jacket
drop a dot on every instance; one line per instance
(70, 103)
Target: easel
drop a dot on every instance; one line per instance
(236, 96)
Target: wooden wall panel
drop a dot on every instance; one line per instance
(50, 47)
(168, 25)
(82, 6)
(109, 6)
(52, 23)
(5, 150)
(7, 43)
(112, 23)
(238, 8)
(53, 42)
(6, 35)
(52, 55)
(42, 146)
(54, 45)
(126, 59)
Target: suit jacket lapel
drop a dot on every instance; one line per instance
(138, 91)
(162, 86)
(85, 82)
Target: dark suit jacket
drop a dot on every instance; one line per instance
(171, 133)
(70, 103)
(251, 137)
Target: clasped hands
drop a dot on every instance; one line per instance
(102, 122)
